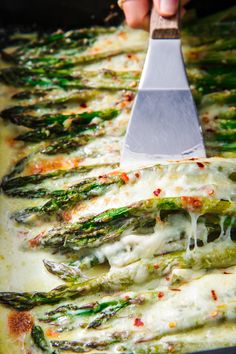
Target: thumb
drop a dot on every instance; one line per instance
(166, 8)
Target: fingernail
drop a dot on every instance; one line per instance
(168, 7)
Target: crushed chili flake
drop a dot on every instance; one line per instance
(51, 332)
(156, 266)
(227, 273)
(172, 324)
(19, 322)
(160, 294)
(157, 192)
(213, 295)
(138, 322)
(200, 164)
(84, 105)
(124, 177)
(191, 202)
(170, 348)
(205, 118)
(211, 192)
(175, 289)
(66, 215)
(127, 297)
(129, 96)
(35, 241)
(137, 174)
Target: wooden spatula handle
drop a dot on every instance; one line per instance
(164, 27)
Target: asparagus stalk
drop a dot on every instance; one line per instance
(64, 271)
(58, 41)
(69, 62)
(40, 340)
(61, 120)
(219, 22)
(225, 97)
(113, 223)
(75, 123)
(81, 347)
(220, 256)
(23, 76)
(207, 82)
(219, 58)
(66, 316)
(72, 272)
(64, 199)
(13, 186)
(80, 96)
(65, 145)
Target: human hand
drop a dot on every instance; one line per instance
(137, 12)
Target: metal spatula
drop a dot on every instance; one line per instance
(164, 122)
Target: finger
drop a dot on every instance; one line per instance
(184, 2)
(166, 8)
(137, 13)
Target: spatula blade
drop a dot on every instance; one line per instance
(164, 122)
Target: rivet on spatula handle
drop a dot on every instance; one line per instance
(164, 27)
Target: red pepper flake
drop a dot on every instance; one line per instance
(129, 96)
(156, 266)
(127, 297)
(138, 322)
(191, 202)
(84, 105)
(227, 273)
(211, 192)
(205, 119)
(213, 295)
(200, 164)
(36, 240)
(19, 322)
(157, 192)
(66, 215)
(137, 174)
(51, 332)
(160, 294)
(175, 289)
(124, 177)
(170, 348)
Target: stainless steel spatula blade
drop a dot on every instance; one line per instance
(164, 122)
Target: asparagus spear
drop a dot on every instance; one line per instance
(23, 76)
(65, 316)
(40, 340)
(64, 145)
(64, 271)
(13, 186)
(69, 62)
(60, 120)
(64, 199)
(58, 41)
(73, 271)
(220, 256)
(211, 58)
(113, 223)
(80, 96)
(81, 347)
(210, 81)
(225, 97)
(75, 123)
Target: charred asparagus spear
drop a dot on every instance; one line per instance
(221, 256)
(113, 223)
